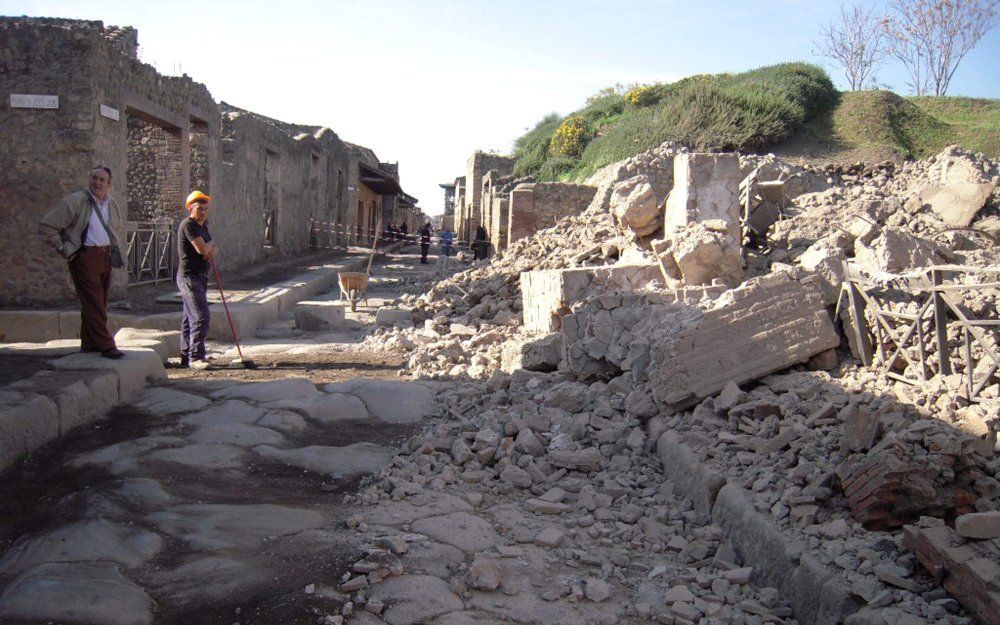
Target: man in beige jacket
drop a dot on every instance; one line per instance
(83, 227)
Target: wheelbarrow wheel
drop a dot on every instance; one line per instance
(354, 297)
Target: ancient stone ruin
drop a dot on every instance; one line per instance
(285, 187)
(695, 388)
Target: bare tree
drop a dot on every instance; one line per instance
(931, 37)
(856, 43)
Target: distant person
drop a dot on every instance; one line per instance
(85, 227)
(481, 245)
(446, 239)
(425, 242)
(196, 251)
(403, 231)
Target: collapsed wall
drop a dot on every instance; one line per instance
(539, 205)
(821, 457)
(687, 344)
(549, 294)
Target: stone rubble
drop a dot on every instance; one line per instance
(616, 542)
(836, 456)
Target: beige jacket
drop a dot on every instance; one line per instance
(64, 224)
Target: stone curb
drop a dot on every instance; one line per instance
(818, 595)
(78, 389)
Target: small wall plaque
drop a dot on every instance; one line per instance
(110, 113)
(32, 101)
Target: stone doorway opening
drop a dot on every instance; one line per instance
(272, 197)
(155, 184)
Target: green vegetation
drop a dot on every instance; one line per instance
(748, 111)
(788, 108)
(881, 124)
(882, 118)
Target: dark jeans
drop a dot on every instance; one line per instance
(446, 250)
(91, 272)
(423, 252)
(194, 323)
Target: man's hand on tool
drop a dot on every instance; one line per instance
(207, 250)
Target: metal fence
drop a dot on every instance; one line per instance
(150, 252)
(918, 325)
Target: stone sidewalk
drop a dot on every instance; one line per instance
(249, 311)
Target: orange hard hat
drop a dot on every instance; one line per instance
(197, 196)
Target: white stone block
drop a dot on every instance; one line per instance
(80, 397)
(139, 367)
(385, 316)
(550, 293)
(168, 341)
(246, 320)
(706, 186)
(319, 315)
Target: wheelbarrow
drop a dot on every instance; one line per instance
(353, 287)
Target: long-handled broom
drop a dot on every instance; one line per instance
(241, 362)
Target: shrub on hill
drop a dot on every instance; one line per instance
(746, 111)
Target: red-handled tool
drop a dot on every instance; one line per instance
(241, 362)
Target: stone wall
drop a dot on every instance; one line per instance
(284, 168)
(656, 165)
(45, 153)
(538, 205)
(154, 176)
(499, 218)
(162, 136)
(470, 214)
(548, 294)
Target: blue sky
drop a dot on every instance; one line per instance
(427, 83)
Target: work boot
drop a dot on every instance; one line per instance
(113, 353)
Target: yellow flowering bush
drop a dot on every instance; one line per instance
(570, 138)
(641, 95)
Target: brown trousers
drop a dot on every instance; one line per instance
(91, 272)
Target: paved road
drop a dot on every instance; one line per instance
(208, 498)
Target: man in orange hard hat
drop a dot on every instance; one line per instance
(195, 250)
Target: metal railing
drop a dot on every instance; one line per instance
(150, 255)
(916, 326)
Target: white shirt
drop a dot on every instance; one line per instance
(96, 234)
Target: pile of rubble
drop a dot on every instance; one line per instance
(650, 314)
(464, 321)
(556, 468)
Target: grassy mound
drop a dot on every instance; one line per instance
(748, 111)
(873, 125)
(871, 118)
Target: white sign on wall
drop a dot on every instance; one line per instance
(110, 113)
(32, 101)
